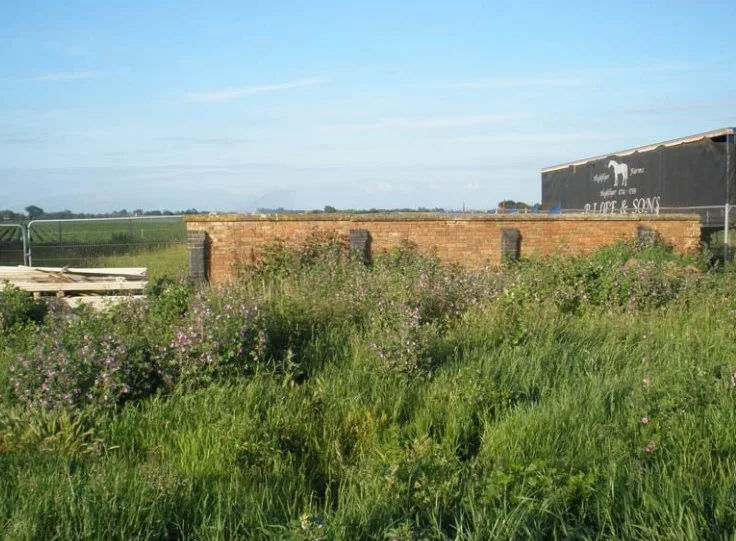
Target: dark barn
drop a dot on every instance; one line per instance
(690, 174)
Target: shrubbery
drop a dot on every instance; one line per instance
(320, 398)
(18, 307)
(401, 307)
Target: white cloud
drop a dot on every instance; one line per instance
(524, 82)
(67, 76)
(472, 186)
(67, 48)
(226, 94)
(432, 122)
(681, 107)
(383, 187)
(75, 75)
(75, 49)
(573, 78)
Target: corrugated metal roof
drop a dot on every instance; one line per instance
(673, 142)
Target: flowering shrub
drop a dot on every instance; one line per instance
(404, 344)
(300, 307)
(133, 352)
(92, 371)
(215, 341)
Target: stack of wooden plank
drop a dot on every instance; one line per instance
(77, 285)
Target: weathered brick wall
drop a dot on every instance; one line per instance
(472, 240)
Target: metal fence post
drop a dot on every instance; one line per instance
(725, 234)
(30, 243)
(26, 249)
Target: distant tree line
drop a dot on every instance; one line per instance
(33, 212)
(507, 204)
(330, 209)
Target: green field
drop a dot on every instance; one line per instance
(102, 231)
(87, 243)
(584, 398)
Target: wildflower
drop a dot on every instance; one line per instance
(645, 420)
(650, 448)
(646, 382)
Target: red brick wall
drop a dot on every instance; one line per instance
(472, 240)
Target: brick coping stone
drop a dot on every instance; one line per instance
(436, 217)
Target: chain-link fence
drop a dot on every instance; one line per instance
(104, 242)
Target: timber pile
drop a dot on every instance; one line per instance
(77, 286)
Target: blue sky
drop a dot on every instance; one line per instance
(233, 105)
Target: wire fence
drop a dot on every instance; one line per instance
(102, 242)
(13, 244)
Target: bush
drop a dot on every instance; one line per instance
(215, 341)
(136, 350)
(18, 307)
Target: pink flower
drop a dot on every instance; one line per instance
(645, 420)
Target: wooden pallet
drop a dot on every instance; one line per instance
(75, 283)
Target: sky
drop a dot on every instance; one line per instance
(232, 106)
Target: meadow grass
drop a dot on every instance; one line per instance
(590, 398)
(169, 261)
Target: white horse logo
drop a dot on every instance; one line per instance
(619, 169)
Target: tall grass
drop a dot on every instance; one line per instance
(588, 398)
(170, 261)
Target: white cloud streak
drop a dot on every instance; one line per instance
(430, 122)
(227, 94)
(573, 78)
(67, 76)
(75, 75)
(378, 187)
(526, 82)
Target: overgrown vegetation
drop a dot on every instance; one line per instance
(317, 398)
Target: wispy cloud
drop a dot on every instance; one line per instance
(75, 75)
(20, 138)
(573, 78)
(681, 107)
(75, 49)
(430, 122)
(67, 48)
(383, 186)
(227, 94)
(213, 141)
(67, 76)
(524, 82)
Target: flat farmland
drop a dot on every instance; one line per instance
(89, 243)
